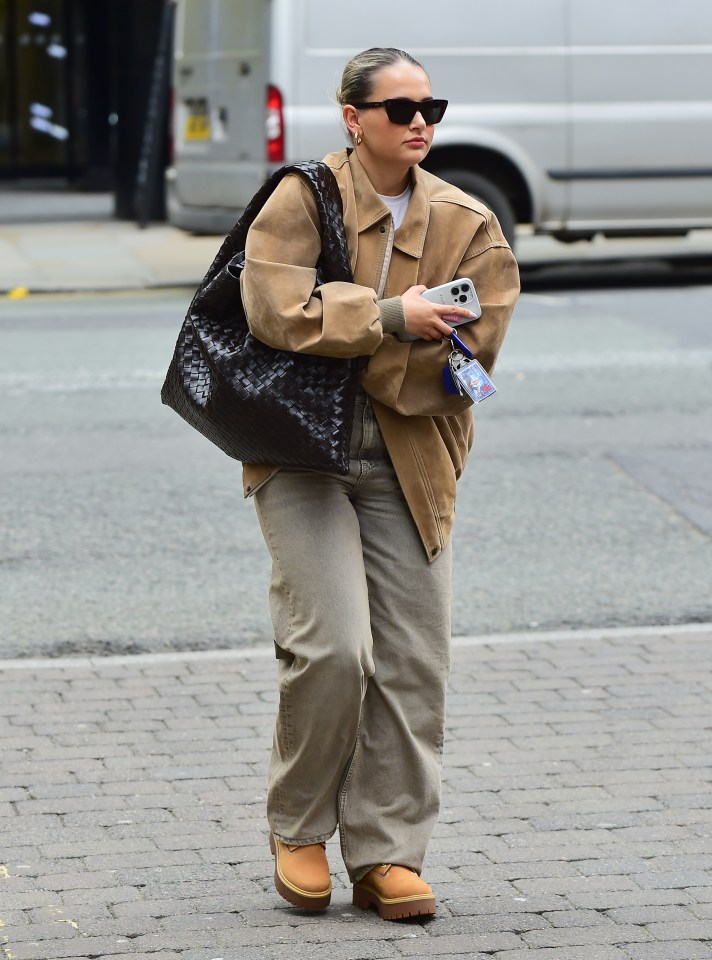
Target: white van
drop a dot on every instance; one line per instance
(575, 116)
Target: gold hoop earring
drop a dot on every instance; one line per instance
(359, 140)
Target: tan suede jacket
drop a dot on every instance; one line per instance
(445, 235)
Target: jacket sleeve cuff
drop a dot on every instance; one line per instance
(391, 315)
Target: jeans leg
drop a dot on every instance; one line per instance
(320, 611)
(391, 798)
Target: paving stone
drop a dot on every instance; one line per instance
(589, 952)
(503, 922)
(594, 934)
(573, 885)
(77, 948)
(652, 914)
(38, 932)
(458, 943)
(681, 950)
(580, 918)
(358, 950)
(161, 955)
(681, 878)
(463, 905)
(533, 869)
(681, 930)
(79, 914)
(151, 908)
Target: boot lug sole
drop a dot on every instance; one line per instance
(396, 909)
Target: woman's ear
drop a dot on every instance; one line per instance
(351, 119)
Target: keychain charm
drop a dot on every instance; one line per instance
(465, 375)
(454, 362)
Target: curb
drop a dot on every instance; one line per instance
(704, 630)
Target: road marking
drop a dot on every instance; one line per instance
(548, 299)
(79, 381)
(619, 359)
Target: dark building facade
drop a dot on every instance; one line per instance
(75, 85)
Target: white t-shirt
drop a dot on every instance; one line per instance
(398, 205)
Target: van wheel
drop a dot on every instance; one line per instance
(489, 193)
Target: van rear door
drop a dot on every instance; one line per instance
(641, 76)
(220, 80)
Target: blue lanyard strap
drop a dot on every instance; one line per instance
(454, 339)
(456, 344)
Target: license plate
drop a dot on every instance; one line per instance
(197, 124)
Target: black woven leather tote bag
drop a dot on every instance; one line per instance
(258, 404)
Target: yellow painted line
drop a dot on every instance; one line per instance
(4, 872)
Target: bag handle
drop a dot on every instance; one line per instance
(320, 179)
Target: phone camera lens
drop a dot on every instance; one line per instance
(462, 299)
(455, 291)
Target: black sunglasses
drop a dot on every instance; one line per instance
(402, 110)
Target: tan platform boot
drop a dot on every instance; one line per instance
(301, 874)
(395, 892)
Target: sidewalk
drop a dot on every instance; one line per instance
(576, 820)
(100, 255)
(105, 254)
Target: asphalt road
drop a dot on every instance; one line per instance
(587, 502)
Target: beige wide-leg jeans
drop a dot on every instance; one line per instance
(362, 632)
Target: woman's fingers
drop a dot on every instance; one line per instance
(428, 320)
(430, 328)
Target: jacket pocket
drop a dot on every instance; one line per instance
(456, 440)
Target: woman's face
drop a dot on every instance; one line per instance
(396, 144)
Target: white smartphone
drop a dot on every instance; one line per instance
(460, 293)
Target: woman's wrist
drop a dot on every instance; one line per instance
(392, 316)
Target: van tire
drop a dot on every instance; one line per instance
(488, 193)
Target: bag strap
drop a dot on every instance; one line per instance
(319, 177)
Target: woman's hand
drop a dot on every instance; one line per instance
(425, 319)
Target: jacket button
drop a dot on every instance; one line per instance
(249, 489)
(434, 551)
(383, 229)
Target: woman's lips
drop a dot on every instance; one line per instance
(417, 141)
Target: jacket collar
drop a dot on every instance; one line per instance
(370, 209)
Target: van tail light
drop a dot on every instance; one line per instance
(275, 125)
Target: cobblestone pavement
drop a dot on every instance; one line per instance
(575, 824)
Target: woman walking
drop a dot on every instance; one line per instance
(361, 564)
